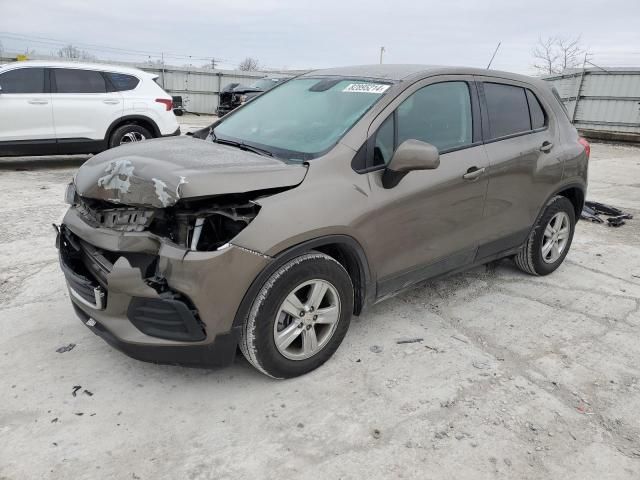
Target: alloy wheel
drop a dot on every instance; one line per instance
(131, 137)
(556, 236)
(307, 319)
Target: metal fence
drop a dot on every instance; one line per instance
(602, 103)
(198, 87)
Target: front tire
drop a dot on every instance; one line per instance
(299, 317)
(550, 239)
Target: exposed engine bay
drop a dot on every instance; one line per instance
(205, 224)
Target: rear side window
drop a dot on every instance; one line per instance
(538, 119)
(70, 80)
(22, 80)
(122, 82)
(507, 109)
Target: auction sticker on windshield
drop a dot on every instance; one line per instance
(366, 88)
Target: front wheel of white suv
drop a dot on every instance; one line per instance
(130, 133)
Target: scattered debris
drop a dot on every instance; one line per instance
(376, 348)
(376, 433)
(482, 365)
(79, 414)
(409, 340)
(55, 420)
(301, 425)
(67, 348)
(432, 348)
(616, 217)
(87, 392)
(75, 389)
(459, 339)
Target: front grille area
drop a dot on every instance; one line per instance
(83, 284)
(123, 219)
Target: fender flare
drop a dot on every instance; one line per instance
(364, 286)
(123, 120)
(566, 186)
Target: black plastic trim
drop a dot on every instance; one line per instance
(221, 352)
(166, 318)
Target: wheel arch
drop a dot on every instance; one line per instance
(140, 120)
(344, 249)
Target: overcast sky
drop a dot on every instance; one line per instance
(311, 34)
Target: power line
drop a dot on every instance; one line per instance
(108, 49)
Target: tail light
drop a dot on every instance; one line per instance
(585, 144)
(168, 103)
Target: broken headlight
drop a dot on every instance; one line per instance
(205, 228)
(70, 194)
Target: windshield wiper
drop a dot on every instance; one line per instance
(244, 146)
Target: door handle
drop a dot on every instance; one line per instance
(111, 102)
(546, 147)
(473, 173)
(34, 101)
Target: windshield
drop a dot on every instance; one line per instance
(302, 118)
(265, 83)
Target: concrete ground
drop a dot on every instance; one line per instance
(516, 377)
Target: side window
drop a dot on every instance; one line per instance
(439, 114)
(71, 80)
(384, 145)
(538, 118)
(122, 82)
(23, 80)
(507, 109)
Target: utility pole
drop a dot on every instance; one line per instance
(494, 55)
(382, 50)
(213, 64)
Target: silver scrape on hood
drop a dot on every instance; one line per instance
(157, 173)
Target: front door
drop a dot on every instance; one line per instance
(430, 222)
(26, 118)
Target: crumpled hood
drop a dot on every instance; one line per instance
(159, 172)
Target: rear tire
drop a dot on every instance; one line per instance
(550, 239)
(130, 133)
(285, 345)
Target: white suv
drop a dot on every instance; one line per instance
(49, 108)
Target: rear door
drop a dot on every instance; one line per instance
(26, 115)
(522, 143)
(83, 108)
(430, 222)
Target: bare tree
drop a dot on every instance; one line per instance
(1, 50)
(249, 64)
(72, 52)
(556, 54)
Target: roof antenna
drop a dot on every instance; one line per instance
(494, 55)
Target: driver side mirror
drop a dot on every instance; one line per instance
(410, 155)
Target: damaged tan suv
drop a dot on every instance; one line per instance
(333, 191)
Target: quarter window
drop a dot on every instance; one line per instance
(70, 80)
(22, 80)
(122, 82)
(537, 113)
(507, 109)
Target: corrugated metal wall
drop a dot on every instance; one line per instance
(602, 101)
(199, 88)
